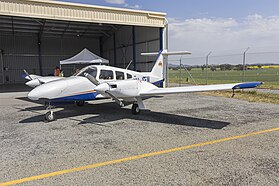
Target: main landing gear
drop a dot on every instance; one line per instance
(135, 109)
(80, 103)
(137, 106)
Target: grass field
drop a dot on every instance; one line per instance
(270, 77)
(251, 96)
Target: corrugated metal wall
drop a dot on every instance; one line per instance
(147, 40)
(21, 52)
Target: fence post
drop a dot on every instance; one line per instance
(244, 64)
(206, 64)
(180, 65)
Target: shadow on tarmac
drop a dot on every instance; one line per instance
(14, 88)
(108, 112)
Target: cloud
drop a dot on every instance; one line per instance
(136, 6)
(123, 2)
(115, 1)
(219, 34)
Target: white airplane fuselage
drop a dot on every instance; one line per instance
(79, 88)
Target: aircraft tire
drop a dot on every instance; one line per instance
(50, 116)
(135, 109)
(80, 103)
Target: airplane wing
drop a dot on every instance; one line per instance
(38, 80)
(32, 76)
(199, 88)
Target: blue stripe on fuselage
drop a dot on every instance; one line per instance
(78, 97)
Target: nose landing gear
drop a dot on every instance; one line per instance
(50, 116)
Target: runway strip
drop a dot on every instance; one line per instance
(81, 168)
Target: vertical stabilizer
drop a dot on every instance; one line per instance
(158, 68)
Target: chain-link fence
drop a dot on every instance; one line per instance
(215, 69)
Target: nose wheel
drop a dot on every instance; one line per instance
(50, 116)
(135, 109)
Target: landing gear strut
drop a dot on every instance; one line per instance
(135, 109)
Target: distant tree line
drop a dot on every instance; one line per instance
(221, 67)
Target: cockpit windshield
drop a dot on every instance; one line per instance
(90, 70)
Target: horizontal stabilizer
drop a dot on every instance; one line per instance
(164, 52)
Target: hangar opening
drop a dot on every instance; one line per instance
(36, 35)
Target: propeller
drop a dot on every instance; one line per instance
(27, 74)
(92, 79)
(103, 88)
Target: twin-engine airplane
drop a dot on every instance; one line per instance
(122, 85)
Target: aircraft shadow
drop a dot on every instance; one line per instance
(108, 112)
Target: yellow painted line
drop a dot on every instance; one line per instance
(81, 168)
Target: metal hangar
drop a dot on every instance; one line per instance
(36, 34)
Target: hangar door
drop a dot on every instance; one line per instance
(38, 45)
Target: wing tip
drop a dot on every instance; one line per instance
(248, 85)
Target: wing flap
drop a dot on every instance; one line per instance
(200, 88)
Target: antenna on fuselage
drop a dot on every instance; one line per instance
(129, 64)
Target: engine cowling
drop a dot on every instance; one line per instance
(125, 88)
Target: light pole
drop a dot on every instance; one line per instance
(206, 65)
(244, 64)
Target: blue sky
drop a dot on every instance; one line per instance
(198, 8)
(221, 26)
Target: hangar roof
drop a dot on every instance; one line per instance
(64, 11)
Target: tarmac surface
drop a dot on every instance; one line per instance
(101, 131)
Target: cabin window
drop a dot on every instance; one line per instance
(129, 76)
(90, 70)
(119, 75)
(106, 74)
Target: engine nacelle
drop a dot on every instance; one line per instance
(33, 83)
(125, 88)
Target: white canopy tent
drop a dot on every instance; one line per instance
(85, 57)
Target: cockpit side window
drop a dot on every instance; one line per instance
(106, 74)
(91, 70)
(129, 76)
(119, 75)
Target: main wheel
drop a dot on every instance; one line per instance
(50, 116)
(80, 103)
(135, 109)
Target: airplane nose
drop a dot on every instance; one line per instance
(34, 94)
(102, 87)
(49, 90)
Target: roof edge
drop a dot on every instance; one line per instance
(54, 2)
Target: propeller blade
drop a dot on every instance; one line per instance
(92, 79)
(103, 87)
(119, 102)
(27, 74)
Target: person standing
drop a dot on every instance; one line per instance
(57, 71)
